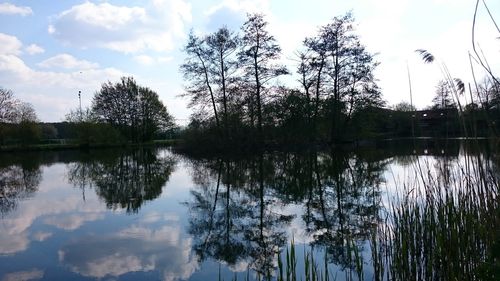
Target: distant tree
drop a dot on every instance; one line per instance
(6, 112)
(471, 107)
(401, 120)
(259, 57)
(84, 125)
(77, 115)
(134, 110)
(443, 97)
(49, 131)
(488, 93)
(404, 106)
(28, 129)
(7, 106)
(18, 120)
(24, 112)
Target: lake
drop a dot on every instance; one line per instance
(157, 214)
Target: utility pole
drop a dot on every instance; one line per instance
(80, 100)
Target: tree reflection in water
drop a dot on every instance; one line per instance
(123, 179)
(343, 204)
(18, 181)
(236, 209)
(233, 217)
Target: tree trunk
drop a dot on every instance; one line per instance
(224, 97)
(207, 81)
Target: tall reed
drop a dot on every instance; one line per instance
(447, 226)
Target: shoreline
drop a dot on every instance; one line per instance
(74, 146)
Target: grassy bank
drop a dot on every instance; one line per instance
(74, 145)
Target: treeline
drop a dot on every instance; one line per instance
(239, 87)
(233, 83)
(121, 113)
(18, 120)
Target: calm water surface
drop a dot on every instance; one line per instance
(153, 214)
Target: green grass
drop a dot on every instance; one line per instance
(75, 145)
(37, 147)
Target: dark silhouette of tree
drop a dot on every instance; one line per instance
(312, 68)
(488, 93)
(7, 105)
(134, 110)
(18, 120)
(86, 127)
(223, 45)
(338, 98)
(443, 97)
(404, 107)
(287, 114)
(49, 131)
(339, 67)
(210, 69)
(28, 129)
(196, 71)
(123, 179)
(259, 57)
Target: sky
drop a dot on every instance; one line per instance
(50, 50)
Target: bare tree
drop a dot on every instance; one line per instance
(443, 97)
(259, 58)
(24, 112)
(196, 71)
(343, 72)
(7, 106)
(210, 69)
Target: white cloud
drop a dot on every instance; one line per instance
(149, 60)
(54, 97)
(123, 29)
(12, 244)
(232, 13)
(144, 59)
(51, 29)
(165, 59)
(42, 236)
(137, 248)
(9, 45)
(33, 274)
(244, 6)
(34, 49)
(53, 206)
(67, 61)
(72, 222)
(154, 217)
(11, 9)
